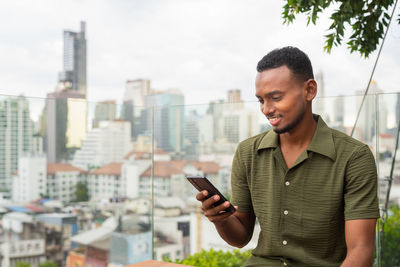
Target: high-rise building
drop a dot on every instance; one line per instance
(110, 142)
(319, 105)
(240, 124)
(338, 113)
(192, 134)
(66, 108)
(74, 60)
(133, 108)
(31, 182)
(104, 111)
(367, 120)
(136, 91)
(66, 114)
(16, 134)
(168, 119)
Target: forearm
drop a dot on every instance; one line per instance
(359, 257)
(233, 231)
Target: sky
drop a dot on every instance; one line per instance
(203, 48)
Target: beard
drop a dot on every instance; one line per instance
(292, 124)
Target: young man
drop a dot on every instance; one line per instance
(313, 189)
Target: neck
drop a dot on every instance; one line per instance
(301, 135)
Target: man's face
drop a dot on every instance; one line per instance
(281, 98)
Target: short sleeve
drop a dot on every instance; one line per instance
(241, 195)
(360, 192)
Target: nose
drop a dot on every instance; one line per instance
(267, 108)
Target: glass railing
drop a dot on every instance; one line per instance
(104, 183)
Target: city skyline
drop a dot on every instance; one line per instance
(203, 49)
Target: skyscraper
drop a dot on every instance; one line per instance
(133, 108)
(66, 108)
(74, 60)
(367, 120)
(319, 105)
(104, 111)
(66, 113)
(16, 134)
(168, 119)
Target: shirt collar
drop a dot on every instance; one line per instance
(321, 143)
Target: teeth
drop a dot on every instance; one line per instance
(273, 119)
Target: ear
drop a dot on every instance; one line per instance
(310, 89)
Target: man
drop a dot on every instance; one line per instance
(313, 189)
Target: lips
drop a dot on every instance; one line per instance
(274, 121)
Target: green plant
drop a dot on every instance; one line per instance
(81, 193)
(366, 19)
(215, 258)
(390, 239)
(48, 264)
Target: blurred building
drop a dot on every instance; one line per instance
(66, 108)
(74, 60)
(22, 239)
(66, 226)
(367, 120)
(62, 179)
(104, 111)
(16, 137)
(116, 180)
(110, 142)
(192, 134)
(318, 103)
(169, 177)
(29, 184)
(66, 113)
(168, 119)
(133, 108)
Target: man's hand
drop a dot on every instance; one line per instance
(236, 228)
(214, 214)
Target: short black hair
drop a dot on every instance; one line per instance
(292, 57)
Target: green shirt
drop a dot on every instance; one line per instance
(302, 209)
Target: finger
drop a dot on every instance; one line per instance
(209, 203)
(213, 211)
(220, 217)
(201, 195)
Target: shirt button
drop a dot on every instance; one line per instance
(285, 212)
(287, 183)
(284, 263)
(284, 242)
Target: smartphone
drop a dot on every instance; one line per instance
(202, 183)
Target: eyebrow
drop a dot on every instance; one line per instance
(271, 93)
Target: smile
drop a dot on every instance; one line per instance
(274, 121)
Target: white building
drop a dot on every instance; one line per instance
(62, 179)
(136, 91)
(240, 124)
(16, 130)
(108, 143)
(169, 177)
(116, 179)
(30, 182)
(367, 120)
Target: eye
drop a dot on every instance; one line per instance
(261, 101)
(276, 98)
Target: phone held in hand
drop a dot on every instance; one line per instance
(202, 183)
